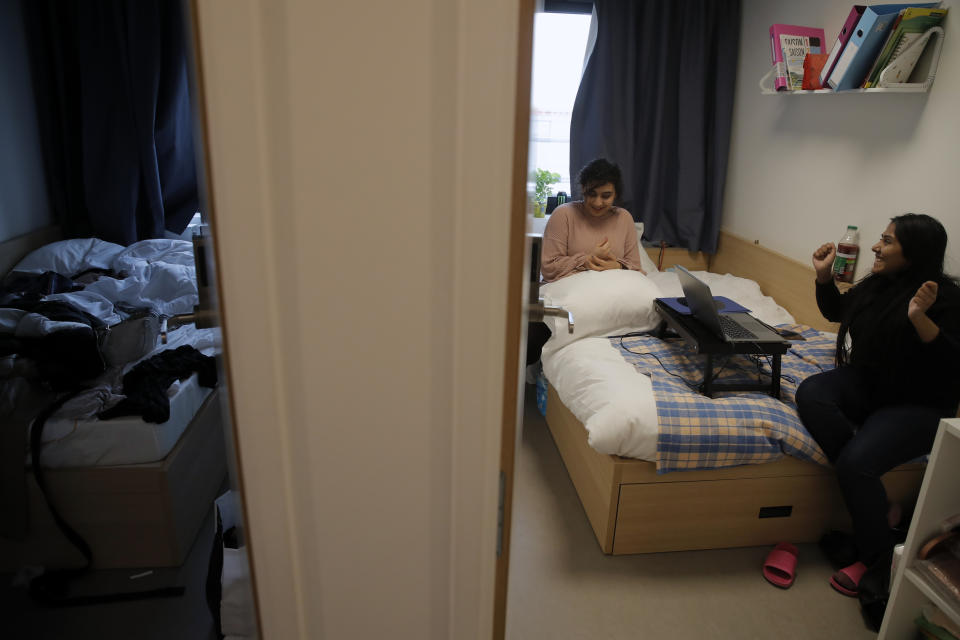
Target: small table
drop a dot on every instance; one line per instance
(703, 341)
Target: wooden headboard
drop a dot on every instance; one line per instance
(787, 281)
(14, 249)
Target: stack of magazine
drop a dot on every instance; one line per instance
(872, 38)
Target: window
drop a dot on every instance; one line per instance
(559, 46)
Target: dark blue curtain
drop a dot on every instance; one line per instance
(656, 97)
(113, 103)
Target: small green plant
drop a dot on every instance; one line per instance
(543, 179)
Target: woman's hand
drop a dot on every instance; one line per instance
(823, 262)
(602, 251)
(922, 300)
(601, 258)
(595, 263)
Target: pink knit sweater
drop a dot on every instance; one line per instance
(572, 235)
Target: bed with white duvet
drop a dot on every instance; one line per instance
(135, 486)
(157, 275)
(612, 398)
(650, 482)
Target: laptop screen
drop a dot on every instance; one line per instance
(700, 300)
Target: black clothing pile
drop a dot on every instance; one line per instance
(145, 386)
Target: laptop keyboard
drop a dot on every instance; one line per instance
(733, 329)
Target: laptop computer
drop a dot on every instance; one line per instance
(729, 327)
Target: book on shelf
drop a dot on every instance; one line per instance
(865, 43)
(789, 45)
(884, 54)
(931, 631)
(910, 25)
(841, 41)
(942, 572)
(812, 65)
(937, 623)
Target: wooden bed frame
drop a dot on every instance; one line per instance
(142, 515)
(634, 510)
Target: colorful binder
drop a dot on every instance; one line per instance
(841, 41)
(864, 44)
(789, 45)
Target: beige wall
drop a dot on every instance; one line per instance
(803, 167)
(360, 172)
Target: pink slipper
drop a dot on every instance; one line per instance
(854, 572)
(780, 566)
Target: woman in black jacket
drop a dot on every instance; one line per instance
(898, 375)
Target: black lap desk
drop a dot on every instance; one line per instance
(703, 341)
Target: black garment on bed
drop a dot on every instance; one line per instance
(146, 384)
(22, 286)
(66, 359)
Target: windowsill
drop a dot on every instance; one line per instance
(535, 226)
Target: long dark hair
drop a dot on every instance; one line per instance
(884, 298)
(599, 172)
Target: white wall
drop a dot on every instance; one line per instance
(802, 167)
(23, 195)
(364, 293)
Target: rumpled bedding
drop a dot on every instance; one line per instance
(616, 402)
(97, 282)
(697, 432)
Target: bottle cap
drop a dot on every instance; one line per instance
(850, 226)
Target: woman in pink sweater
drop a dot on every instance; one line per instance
(591, 234)
(586, 235)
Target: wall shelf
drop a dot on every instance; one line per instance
(885, 86)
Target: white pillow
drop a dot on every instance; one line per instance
(603, 303)
(70, 257)
(648, 265)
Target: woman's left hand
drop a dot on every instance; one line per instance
(926, 295)
(922, 300)
(596, 263)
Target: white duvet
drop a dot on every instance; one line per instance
(606, 394)
(160, 274)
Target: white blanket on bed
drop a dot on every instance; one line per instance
(158, 274)
(613, 401)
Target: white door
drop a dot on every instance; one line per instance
(369, 216)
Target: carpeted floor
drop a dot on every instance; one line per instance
(561, 586)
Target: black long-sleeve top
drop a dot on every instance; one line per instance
(902, 368)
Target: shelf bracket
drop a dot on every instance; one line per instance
(766, 82)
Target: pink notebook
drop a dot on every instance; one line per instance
(789, 45)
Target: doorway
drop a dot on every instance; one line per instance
(138, 552)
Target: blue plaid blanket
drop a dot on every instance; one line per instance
(731, 428)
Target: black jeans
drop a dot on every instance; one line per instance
(864, 438)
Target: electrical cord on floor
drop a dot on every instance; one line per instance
(52, 588)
